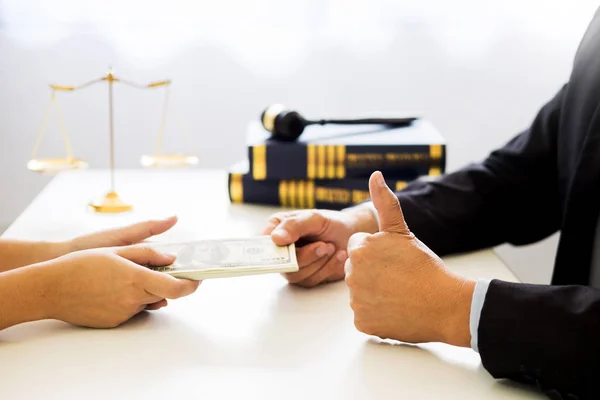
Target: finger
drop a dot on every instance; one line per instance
(302, 224)
(388, 208)
(157, 305)
(333, 265)
(143, 230)
(167, 287)
(357, 241)
(313, 252)
(145, 256)
(337, 276)
(305, 272)
(275, 219)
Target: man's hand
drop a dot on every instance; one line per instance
(104, 288)
(321, 238)
(399, 289)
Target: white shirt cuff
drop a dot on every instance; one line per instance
(481, 288)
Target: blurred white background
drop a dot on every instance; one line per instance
(478, 69)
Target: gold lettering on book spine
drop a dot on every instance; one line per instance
(341, 161)
(259, 162)
(333, 195)
(301, 194)
(292, 194)
(311, 162)
(358, 196)
(310, 194)
(236, 188)
(321, 161)
(331, 161)
(283, 193)
(435, 171)
(435, 151)
(400, 185)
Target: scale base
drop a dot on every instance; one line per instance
(168, 160)
(111, 204)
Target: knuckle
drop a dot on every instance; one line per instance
(279, 217)
(351, 282)
(114, 323)
(291, 223)
(154, 254)
(274, 219)
(317, 221)
(149, 228)
(317, 217)
(360, 324)
(347, 266)
(358, 240)
(364, 326)
(358, 256)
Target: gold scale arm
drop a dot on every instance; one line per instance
(47, 164)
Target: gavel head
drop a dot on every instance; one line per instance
(284, 125)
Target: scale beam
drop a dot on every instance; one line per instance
(111, 202)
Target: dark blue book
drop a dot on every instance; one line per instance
(338, 152)
(299, 193)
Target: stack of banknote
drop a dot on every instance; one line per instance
(226, 258)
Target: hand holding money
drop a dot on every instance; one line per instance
(226, 258)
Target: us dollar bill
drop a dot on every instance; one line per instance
(224, 258)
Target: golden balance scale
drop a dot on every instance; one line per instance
(112, 202)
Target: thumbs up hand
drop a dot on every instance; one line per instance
(399, 288)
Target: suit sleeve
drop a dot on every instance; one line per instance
(543, 335)
(510, 197)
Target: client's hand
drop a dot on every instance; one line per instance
(104, 288)
(321, 237)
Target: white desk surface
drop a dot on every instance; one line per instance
(251, 337)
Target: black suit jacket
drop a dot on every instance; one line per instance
(544, 180)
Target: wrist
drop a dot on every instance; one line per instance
(25, 291)
(364, 219)
(455, 330)
(50, 250)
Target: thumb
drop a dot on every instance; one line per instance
(144, 255)
(387, 205)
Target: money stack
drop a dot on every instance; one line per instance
(329, 165)
(227, 258)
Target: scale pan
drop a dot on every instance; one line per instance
(55, 165)
(168, 160)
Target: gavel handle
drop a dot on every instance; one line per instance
(365, 121)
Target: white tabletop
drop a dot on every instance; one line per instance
(251, 337)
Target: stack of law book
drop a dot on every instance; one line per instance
(329, 165)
